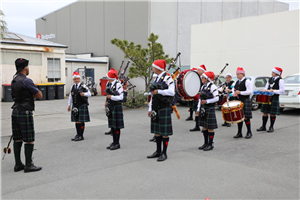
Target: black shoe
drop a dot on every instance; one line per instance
(108, 133)
(203, 146)
(195, 129)
(208, 148)
(18, 168)
(109, 146)
(225, 124)
(79, 138)
(189, 119)
(115, 147)
(32, 168)
(162, 157)
(153, 139)
(261, 129)
(73, 139)
(271, 129)
(154, 155)
(228, 125)
(238, 135)
(249, 135)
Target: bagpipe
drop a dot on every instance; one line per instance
(162, 84)
(82, 88)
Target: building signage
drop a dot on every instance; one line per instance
(45, 37)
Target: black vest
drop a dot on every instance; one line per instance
(275, 84)
(207, 90)
(228, 85)
(22, 97)
(158, 102)
(78, 100)
(241, 87)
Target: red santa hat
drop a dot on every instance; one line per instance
(240, 70)
(209, 75)
(160, 65)
(75, 75)
(112, 74)
(277, 70)
(202, 67)
(194, 69)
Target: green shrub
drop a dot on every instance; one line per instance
(139, 99)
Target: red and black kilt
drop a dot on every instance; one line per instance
(22, 125)
(116, 120)
(274, 108)
(164, 125)
(209, 121)
(83, 114)
(247, 109)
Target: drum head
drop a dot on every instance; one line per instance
(231, 104)
(191, 83)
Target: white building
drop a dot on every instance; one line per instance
(257, 43)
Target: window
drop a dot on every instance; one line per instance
(292, 79)
(53, 65)
(260, 82)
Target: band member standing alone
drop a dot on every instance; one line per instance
(23, 92)
(228, 89)
(114, 104)
(160, 110)
(242, 91)
(275, 85)
(200, 70)
(209, 95)
(78, 99)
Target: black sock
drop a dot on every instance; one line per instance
(191, 112)
(82, 128)
(248, 124)
(205, 135)
(197, 122)
(264, 119)
(113, 131)
(158, 144)
(28, 154)
(165, 144)
(272, 119)
(17, 153)
(118, 134)
(240, 127)
(78, 128)
(211, 138)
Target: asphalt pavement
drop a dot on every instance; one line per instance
(263, 167)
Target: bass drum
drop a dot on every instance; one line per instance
(188, 84)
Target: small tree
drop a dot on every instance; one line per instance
(3, 25)
(142, 58)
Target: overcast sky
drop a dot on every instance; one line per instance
(20, 15)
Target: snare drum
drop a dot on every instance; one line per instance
(188, 84)
(233, 112)
(263, 97)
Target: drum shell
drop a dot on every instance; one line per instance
(233, 114)
(149, 98)
(180, 85)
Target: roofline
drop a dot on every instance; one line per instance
(86, 53)
(81, 61)
(56, 10)
(63, 46)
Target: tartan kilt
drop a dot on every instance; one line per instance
(164, 125)
(83, 114)
(116, 120)
(247, 109)
(274, 108)
(22, 125)
(193, 104)
(210, 120)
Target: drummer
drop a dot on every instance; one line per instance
(276, 86)
(242, 90)
(227, 90)
(200, 70)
